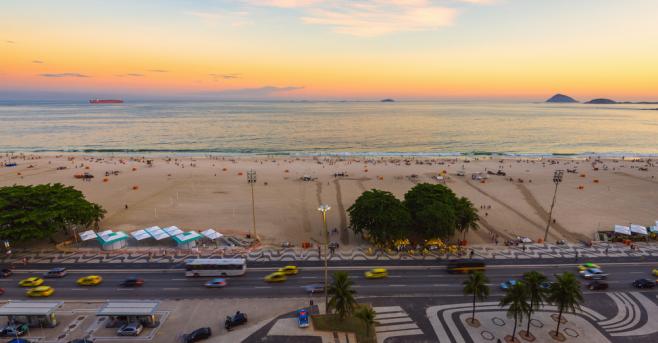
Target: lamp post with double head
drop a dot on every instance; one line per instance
(324, 208)
(251, 178)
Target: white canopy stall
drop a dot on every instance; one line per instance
(622, 230)
(157, 233)
(639, 229)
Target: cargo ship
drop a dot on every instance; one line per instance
(105, 101)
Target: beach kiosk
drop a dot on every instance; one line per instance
(36, 314)
(187, 240)
(110, 240)
(126, 311)
(157, 233)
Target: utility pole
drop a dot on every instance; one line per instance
(324, 208)
(251, 178)
(557, 179)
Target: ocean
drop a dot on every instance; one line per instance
(330, 128)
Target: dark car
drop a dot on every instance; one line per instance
(197, 335)
(644, 283)
(238, 319)
(132, 282)
(81, 340)
(597, 286)
(14, 330)
(56, 273)
(5, 272)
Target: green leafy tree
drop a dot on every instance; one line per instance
(37, 212)
(533, 281)
(342, 295)
(565, 293)
(381, 215)
(467, 216)
(476, 285)
(432, 209)
(367, 315)
(517, 300)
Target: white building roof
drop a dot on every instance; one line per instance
(211, 234)
(128, 308)
(88, 235)
(29, 308)
(140, 235)
(157, 233)
(173, 231)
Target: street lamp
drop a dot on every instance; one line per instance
(324, 208)
(251, 179)
(557, 178)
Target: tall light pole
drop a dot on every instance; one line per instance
(251, 178)
(557, 178)
(324, 208)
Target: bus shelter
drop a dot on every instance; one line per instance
(33, 313)
(122, 312)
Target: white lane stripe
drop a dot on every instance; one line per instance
(396, 285)
(394, 320)
(179, 279)
(396, 327)
(263, 287)
(79, 289)
(170, 289)
(384, 309)
(390, 315)
(125, 289)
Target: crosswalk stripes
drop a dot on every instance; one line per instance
(393, 321)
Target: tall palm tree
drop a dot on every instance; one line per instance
(533, 281)
(476, 284)
(565, 293)
(367, 316)
(342, 294)
(517, 298)
(467, 216)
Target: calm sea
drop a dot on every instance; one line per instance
(421, 128)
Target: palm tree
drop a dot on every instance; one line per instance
(533, 281)
(565, 293)
(467, 216)
(367, 316)
(342, 294)
(516, 297)
(476, 284)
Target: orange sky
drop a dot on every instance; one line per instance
(316, 49)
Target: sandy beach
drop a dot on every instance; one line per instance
(196, 193)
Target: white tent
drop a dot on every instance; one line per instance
(173, 231)
(624, 230)
(211, 234)
(639, 229)
(88, 235)
(140, 235)
(157, 233)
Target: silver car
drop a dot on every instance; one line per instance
(130, 329)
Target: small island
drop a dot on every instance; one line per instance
(602, 101)
(387, 100)
(561, 99)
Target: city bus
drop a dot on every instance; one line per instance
(215, 267)
(464, 266)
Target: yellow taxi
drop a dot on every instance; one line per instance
(91, 280)
(289, 270)
(276, 277)
(41, 291)
(588, 265)
(655, 272)
(376, 273)
(31, 282)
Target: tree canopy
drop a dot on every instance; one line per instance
(428, 211)
(381, 215)
(37, 212)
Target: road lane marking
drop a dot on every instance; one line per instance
(79, 289)
(171, 289)
(125, 289)
(179, 279)
(263, 287)
(397, 285)
(310, 277)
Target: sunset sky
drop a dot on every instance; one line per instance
(340, 49)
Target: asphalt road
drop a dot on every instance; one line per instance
(170, 283)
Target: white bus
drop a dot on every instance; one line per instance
(215, 267)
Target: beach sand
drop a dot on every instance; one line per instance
(196, 193)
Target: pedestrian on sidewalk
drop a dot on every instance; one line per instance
(576, 255)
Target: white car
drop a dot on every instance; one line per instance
(130, 329)
(593, 274)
